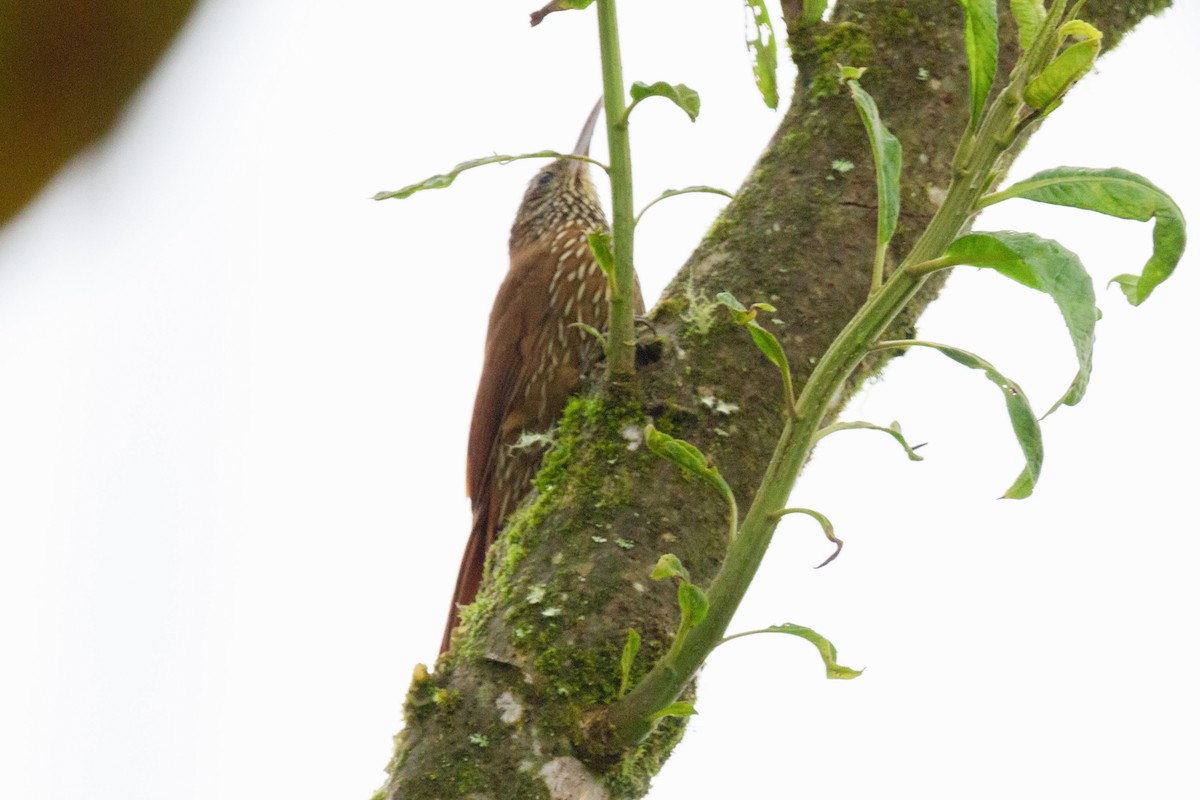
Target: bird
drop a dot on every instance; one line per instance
(536, 347)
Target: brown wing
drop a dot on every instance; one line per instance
(531, 367)
(511, 319)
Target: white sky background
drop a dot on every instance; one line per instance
(236, 396)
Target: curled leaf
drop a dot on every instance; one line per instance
(683, 96)
(833, 670)
(1047, 266)
(669, 566)
(676, 193)
(1020, 414)
(692, 460)
(686, 456)
(892, 430)
(1046, 90)
(825, 647)
(677, 709)
(536, 17)
(1118, 193)
(826, 526)
(442, 181)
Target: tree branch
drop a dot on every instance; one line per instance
(514, 709)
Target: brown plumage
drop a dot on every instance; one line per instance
(533, 356)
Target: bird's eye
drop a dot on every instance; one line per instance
(544, 180)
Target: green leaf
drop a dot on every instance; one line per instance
(1046, 89)
(814, 10)
(679, 94)
(885, 149)
(677, 192)
(1129, 286)
(632, 644)
(693, 190)
(677, 709)
(1118, 193)
(742, 315)
(826, 526)
(1020, 414)
(1078, 27)
(592, 331)
(768, 344)
(601, 244)
(763, 339)
(825, 647)
(686, 456)
(892, 430)
(442, 181)
(669, 566)
(692, 460)
(693, 604)
(1047, 266)
(1030, 15)
(983, 49)
(760, 40)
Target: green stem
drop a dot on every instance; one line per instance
(933, 265)
(979, 153)
(661, 686)
(877, 273)
(621, 338)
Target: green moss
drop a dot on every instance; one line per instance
(631, 777)
(699, 311)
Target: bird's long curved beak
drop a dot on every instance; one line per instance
(589, 127)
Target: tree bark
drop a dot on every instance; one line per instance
(506, 714)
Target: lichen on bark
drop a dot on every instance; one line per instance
(508, 712)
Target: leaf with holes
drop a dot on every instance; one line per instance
(760, 40)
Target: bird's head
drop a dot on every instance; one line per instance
(562, 193)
